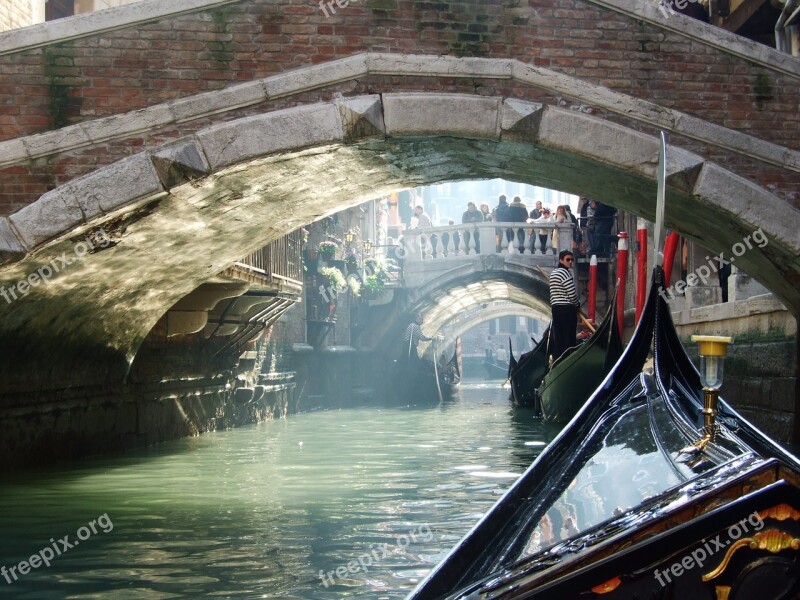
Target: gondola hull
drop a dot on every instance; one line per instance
(626, 512)
(573, 378)
(526, 375)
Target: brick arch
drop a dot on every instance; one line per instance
(204, 201)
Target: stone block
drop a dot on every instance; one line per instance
(113, 187)
(53, 142)
(361, 117)
(309, 78)
(456, 114)
(53, 214)
(11, 248)
(520, 120)
(180, 163)
(752, 204)
(12, 151)
(440, 65)
(145, 119)
(741, 287)
(252, 137)
(210, 103)
(575, 132)
(702, 295)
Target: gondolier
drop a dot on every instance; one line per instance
(564, 304)
(413, 337)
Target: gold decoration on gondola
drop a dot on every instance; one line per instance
(723, 591)
(608, 586)
(772, 540)
(781, 512)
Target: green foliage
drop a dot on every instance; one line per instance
(373, 285)
(334, 277)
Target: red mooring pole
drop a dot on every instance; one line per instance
(592, 288)
(622, 277)
(641, 266)
(670, 246)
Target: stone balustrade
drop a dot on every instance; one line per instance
(472, 239)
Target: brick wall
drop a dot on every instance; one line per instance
(136, 67)
(15, 14)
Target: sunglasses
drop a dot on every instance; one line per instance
(569, 260)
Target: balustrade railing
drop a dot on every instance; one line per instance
(278, 261)
(529, 239)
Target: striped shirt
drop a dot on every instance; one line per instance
(414, 335)
(562, 287)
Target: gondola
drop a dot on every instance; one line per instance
(634, 499)
(616, 507)
(419, 381)
(526, 374)
(575, 374)
(450, 375)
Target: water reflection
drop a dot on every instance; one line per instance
(271, 510)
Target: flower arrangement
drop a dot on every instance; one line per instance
(355, 285)
(327, 249)
(335, 278)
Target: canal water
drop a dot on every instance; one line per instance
(354, 503)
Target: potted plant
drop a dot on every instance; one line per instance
(335, 278)
(351, 260)
(372, 286)
(327, 250)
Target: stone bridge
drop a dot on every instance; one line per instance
(193, 132)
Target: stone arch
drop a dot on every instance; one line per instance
(510, 310)
(457, 290)
(180, 214)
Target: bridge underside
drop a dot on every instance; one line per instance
(185, 212)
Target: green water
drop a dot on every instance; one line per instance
(261, 511)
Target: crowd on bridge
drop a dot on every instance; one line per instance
(591, 229)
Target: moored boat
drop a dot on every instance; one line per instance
(652, 490)
(616, 505)
(526, 374)
(575, 374)
(419, 381)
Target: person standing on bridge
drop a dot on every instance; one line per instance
(471, 215)
(564, 304)
(423, 220)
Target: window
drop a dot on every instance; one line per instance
(58, 9)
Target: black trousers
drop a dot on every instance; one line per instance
(562, 331)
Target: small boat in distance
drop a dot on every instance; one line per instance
(420, 381)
